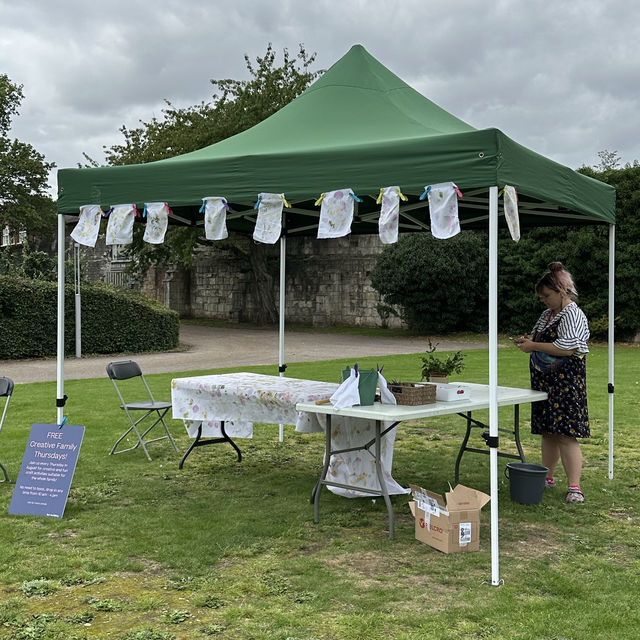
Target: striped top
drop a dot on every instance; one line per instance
(573, 328)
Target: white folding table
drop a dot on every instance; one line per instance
(385, 413)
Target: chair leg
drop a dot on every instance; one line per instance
(6, 475)
(140, 442)
(141, 436)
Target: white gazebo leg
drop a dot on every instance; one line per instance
(60, 399)
(283, 258)
(493, 381)
(78, 300)
(611, 339)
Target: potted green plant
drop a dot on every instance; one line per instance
(438, 369)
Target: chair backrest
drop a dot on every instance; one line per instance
(123, 370)
(6, 386)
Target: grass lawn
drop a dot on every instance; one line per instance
(224, 549)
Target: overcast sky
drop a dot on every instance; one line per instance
(561, 77)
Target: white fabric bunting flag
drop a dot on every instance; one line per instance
(389, 219)
(269, 221)
(120, 224)
(157, 215)
(443, 209)
(88, 227)
(215, 217)
(336, 213)
(510, 204)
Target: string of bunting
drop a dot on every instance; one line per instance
(337, 210)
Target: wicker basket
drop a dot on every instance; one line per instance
(412, 393)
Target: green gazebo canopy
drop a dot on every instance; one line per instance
(359, 126)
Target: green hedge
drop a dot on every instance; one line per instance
(113, 320)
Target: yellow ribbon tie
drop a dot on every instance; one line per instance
(320, 199)
(286, 204)
(379, 200)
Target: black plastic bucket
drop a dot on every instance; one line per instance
(526, 481)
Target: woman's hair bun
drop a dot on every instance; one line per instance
(555, 266)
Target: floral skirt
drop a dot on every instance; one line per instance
(565, 410)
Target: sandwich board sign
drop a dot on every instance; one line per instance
(48, 465)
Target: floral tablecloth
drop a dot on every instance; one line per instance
(240, 399)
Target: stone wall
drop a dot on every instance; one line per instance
(328, 282)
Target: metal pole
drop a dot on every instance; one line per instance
(283, 259)
(611, 338)
(60, 337)
(76, 272)
(493, 380)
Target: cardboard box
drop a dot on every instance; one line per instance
(450, 525)
(452, 392)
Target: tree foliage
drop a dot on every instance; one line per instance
(235, 106)
(24, 203)
(438, 285)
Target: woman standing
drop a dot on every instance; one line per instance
(558, 346)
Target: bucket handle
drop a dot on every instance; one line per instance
(506, 475)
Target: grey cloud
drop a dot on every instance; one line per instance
(558, 77)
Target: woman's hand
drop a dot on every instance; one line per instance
(525, 345)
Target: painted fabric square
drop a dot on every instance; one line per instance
(157, 215)
(510, 203)
(88, 227)
(389, 214)
(120, 224)
(336, 213)
(215, 218)
(443, 210)
(269, 221)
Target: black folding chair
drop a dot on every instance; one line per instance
(6, 389)
(126, 370)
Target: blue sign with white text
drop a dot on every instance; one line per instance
(48, 465)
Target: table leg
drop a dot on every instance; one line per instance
(516, 431)
(382, 481)
(471, 423)
(463, 447)
(325, 467)
(199, 442)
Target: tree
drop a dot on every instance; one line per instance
(608, 160)
(439, 285)
(24, 203)
(237, 105)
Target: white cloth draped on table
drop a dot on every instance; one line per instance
(358, 468)
(211, 428)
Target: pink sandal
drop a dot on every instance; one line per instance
(575, 495)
